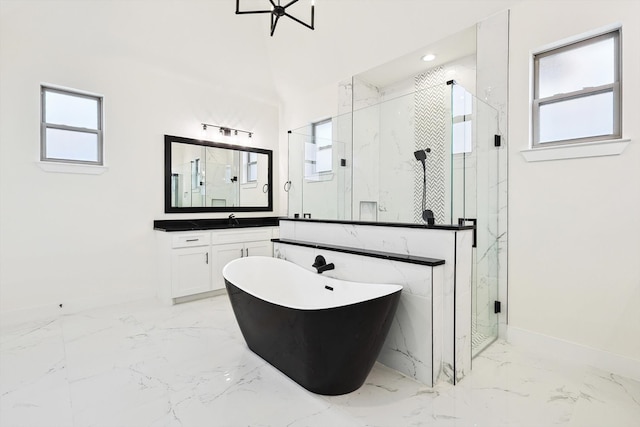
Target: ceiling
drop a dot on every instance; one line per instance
(453, 47)
(353, 36)
(206, 42)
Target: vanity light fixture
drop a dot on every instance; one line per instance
(225, 130)
(428, 57)
(277, 11)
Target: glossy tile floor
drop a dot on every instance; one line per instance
(144, 364)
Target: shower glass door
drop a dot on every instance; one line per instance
(474, 200)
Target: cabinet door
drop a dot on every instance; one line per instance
(190, 271)
(262, 248)
(220, 256)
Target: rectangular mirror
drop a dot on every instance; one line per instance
(206, 176)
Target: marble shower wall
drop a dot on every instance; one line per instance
(385, 173)
(396, 161)
(366, 148)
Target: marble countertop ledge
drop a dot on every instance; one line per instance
(171, 225)
(429, 262)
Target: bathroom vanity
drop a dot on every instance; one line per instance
(211, 177)
(192, 253)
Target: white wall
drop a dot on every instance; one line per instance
(81, 240)
(574, 225)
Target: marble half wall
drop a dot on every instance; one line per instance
(409, 344)
(431, 336)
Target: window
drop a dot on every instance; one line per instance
(249, 169)
(462, 112)
(577, 92)
(251, 166)
(318, 153)
(195, 174)
(71, 127)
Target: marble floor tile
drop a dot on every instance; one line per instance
(147, 364)
(33, 383)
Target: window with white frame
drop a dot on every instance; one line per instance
(577, 92)
(319, 151)
(71, 127)
(462, 115)
(250, 162)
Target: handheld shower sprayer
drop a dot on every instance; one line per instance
(422, 154)
(427, 214)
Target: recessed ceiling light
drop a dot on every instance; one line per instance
(429, 57)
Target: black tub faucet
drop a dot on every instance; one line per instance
(320, 264)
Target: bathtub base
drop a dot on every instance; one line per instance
(327, 351)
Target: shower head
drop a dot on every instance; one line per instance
(421, 154)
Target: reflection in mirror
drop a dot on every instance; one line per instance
(205, 176)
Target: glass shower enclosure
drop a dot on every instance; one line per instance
(434, 149)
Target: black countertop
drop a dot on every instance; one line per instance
(170, 225)
(453, 227)
(411, 259)
(273, 221)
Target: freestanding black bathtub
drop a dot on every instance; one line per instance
(323, 333)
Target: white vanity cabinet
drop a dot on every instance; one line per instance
(191, 262)
(232, 244)
(191, 272)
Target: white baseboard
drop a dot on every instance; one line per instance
(51, 311)
(574, 352)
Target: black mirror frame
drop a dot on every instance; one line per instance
(168, 139)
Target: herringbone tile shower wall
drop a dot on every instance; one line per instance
(430, 132)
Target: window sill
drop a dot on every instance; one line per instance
(612, 147)
(71, 168)
(321, 177)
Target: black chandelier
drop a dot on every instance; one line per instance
(277, 11)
